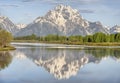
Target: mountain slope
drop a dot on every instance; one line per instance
(62, 20)
(6, 24)
(115, 29)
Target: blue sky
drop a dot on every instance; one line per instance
(25, 11)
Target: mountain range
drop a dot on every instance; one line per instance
(62, 20)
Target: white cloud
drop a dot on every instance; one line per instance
(86, 11)
(9, 5)
(63, 1)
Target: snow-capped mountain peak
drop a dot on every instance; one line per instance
(62, 20)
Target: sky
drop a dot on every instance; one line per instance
(25, 11)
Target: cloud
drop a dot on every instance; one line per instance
(71, 1)
(64, 1)
(86, 11)
(9, 5)
(28, 0)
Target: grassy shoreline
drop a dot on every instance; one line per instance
(7, 48)
(70, 43)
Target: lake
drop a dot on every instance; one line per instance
(54, 63)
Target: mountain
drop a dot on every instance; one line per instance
(95, 27)
(62, 20)
(6, 24)
(20, 26)
(115, 29)
(61, 63)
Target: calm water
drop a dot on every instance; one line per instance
(59, 64)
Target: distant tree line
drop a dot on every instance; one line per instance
(95, 38)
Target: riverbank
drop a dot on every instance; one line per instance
(7, 48)
(70, 43)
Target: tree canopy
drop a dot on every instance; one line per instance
(5, 38)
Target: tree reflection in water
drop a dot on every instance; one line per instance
(5, 59)
(104, 52)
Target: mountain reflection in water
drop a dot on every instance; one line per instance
(64, 63)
